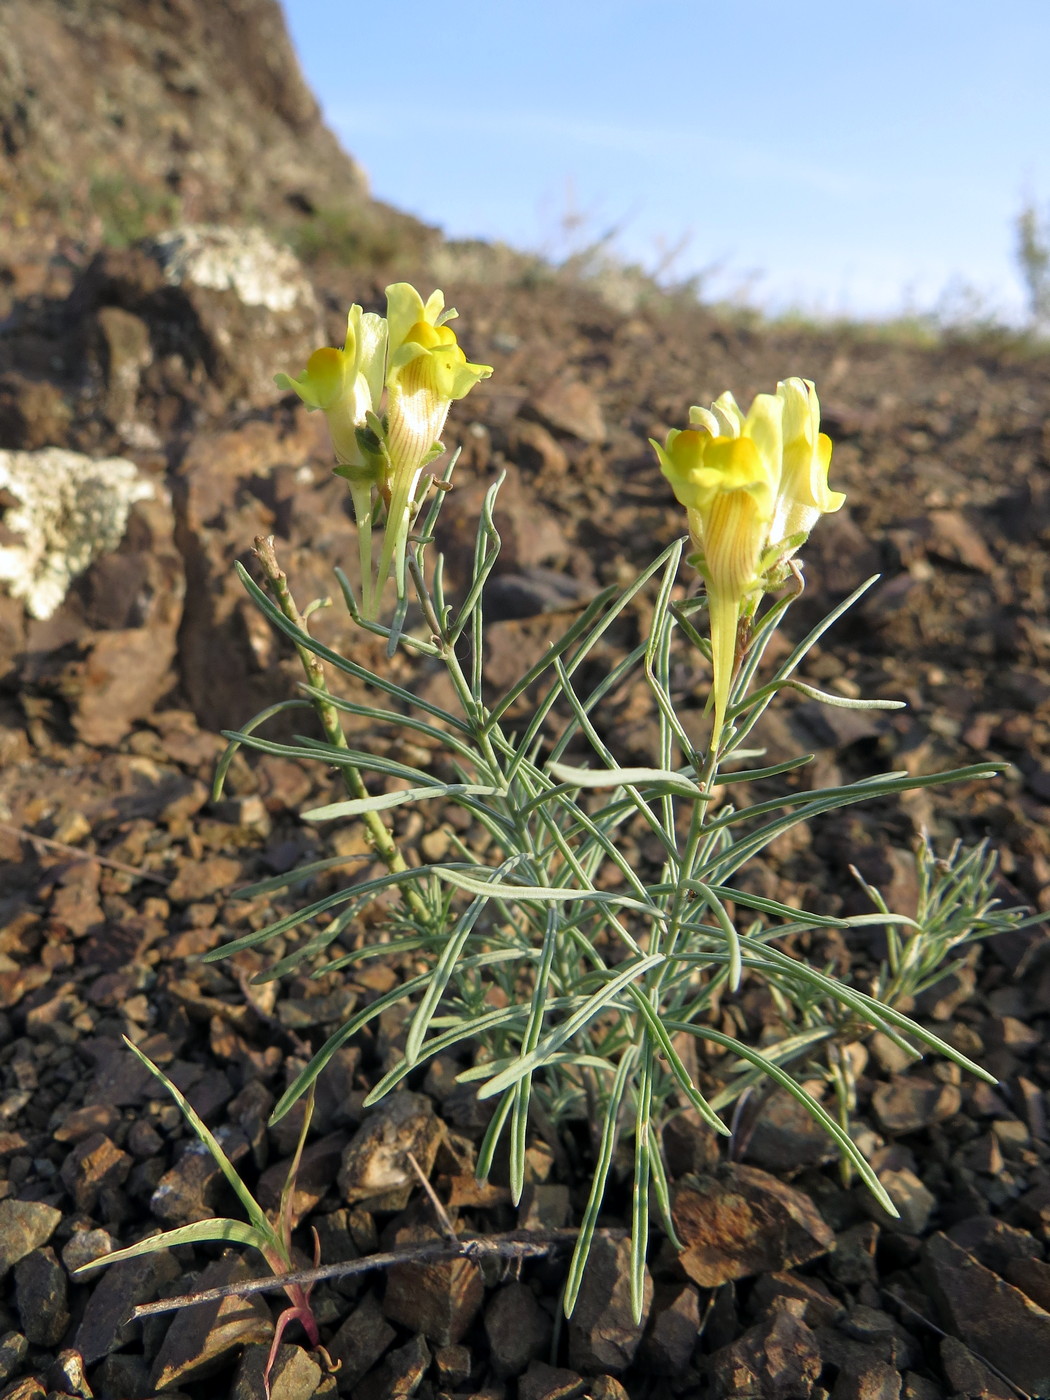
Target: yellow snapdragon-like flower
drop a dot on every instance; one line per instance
(426, 372)
(346, 384)
(753, 487)
(386, 396)
(725, 470)
(804, 495)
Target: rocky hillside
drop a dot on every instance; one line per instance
(120, 117)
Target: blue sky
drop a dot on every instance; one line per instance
(844, 156)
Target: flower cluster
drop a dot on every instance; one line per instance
(753, 487)
(386, 396)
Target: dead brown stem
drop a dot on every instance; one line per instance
(515, 1247)
(49, 844)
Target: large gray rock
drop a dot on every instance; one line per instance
(67, 511)
(742, 1222)
(201, 1339)
(24, 1226)
(92, 586)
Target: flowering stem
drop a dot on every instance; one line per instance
(439, 632)
(380, 835)
(361, 495)
(724, 614)
(395, 536)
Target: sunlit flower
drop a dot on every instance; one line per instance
(346, 384)
(426, 372)
(753, 487)
(725, 470)
(804, 495)
(386, 396)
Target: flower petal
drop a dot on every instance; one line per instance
(764, 426)
(704, 418)
(404, 307)
(727, 413)
(323, 380)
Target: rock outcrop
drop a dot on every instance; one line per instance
(119, 116)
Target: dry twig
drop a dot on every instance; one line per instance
(439, 1210)
(49, 844)
(921, 1317)
(514, 1247)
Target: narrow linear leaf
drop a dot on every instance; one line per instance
(547, 660)
(459, 1029)
(356, 806)
(493, 1133)
(627, 777)
(813, 1107)
(228, 754)
(725, 923)
(486, 554)
(658, 1032)
(522, 1091)
(829, 621)
(662, 1192)
(718, 867)
(784, 1052)
(608, 682)
(299, 875)
(752, 775)
(397, 719)
(361, 895)
(540, 894)
(338, 1038)
(576, 1058)
(572, 1024)
(601, 626)
(766, 906)
(341, 663)
(882, 1017)
(644, 1151)
(255, 1213)
(439, 978)
(610, 1132)
(216, 1231)
(756, 710)
(376, 628)
(462, 1029)
(843, 702)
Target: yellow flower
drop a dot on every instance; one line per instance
(804, 495)
(346, 384)
(725, 470)
(753, 486)
(386, 396)
(426, 372)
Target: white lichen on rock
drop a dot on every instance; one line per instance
(238, 260)
(68, 510)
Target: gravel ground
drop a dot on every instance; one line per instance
(118, 872)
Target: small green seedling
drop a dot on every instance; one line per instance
(274, 1242)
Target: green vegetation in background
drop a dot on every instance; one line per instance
(130, 210)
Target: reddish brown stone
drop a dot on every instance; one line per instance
(745, 1222)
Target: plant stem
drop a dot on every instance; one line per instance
(472, 710)
(379, 833)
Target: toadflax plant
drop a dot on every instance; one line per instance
(569, 980)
